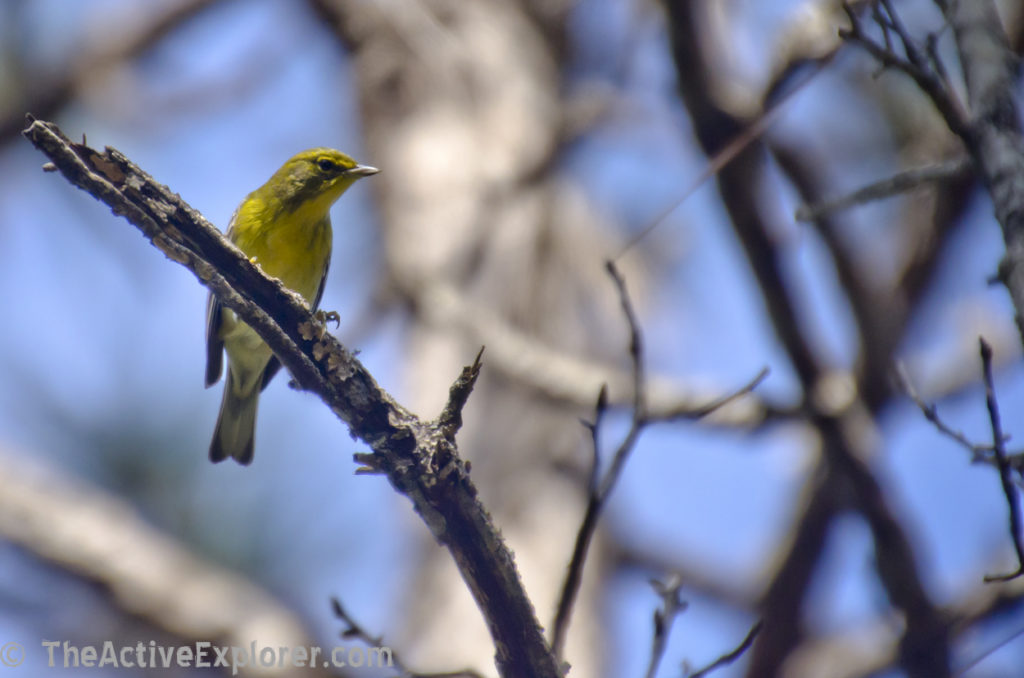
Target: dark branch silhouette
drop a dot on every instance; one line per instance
(600, 488)
(999, 447)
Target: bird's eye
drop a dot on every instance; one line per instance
(326, 165)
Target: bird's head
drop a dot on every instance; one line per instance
(315, 179)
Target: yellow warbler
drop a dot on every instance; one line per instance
(284, 226)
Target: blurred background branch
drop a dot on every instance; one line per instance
(146, 573)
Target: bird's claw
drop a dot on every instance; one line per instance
(328, 316)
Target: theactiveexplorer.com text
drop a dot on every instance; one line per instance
(203, 654)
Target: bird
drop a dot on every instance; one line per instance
(284, 227)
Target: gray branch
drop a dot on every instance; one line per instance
(994, 136)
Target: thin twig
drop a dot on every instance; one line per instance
(690, 413)
(732, 656)
(981, 453)
(729, 152)
(450, 420)
(636, 351)
(894, 185)
(671, 607)
(932, 48)
(999, 446)
(354, 629)
(910, 47)
(884, 23)
(574, 575)
(601, 487)
(914, 63)
(595, 430)
(978, 451)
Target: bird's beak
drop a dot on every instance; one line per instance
(362, 171)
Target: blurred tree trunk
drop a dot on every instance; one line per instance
(463, 112)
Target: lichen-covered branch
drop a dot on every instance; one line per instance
(419, 457)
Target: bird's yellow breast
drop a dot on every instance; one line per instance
(294, 247)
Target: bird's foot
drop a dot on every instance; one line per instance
(328, 316)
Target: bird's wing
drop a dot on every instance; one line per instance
(214, 344)
(214, 319)
(323, 281)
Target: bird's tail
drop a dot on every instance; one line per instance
(236, 424)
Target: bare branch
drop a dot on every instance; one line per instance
(601, 488)
(902, 182)
(914, 63)
(931, 413)
(419, 460)
(671, 607)
(730, 151)
(732, 656)
(701, 411)
(980, 453)
(999, 443)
